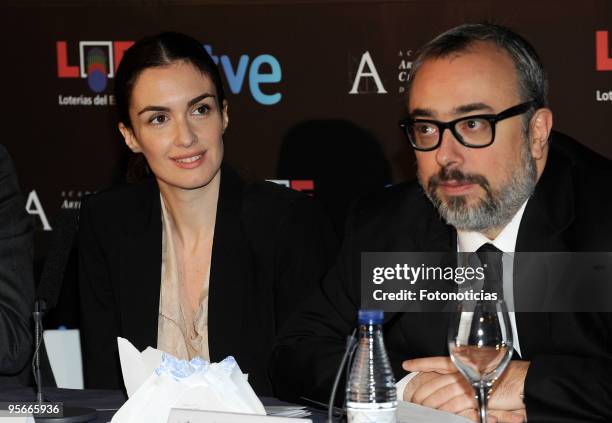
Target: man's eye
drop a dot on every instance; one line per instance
(425, 129)
(474, 124)
(158, 119)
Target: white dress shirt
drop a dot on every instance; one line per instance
(468, 242)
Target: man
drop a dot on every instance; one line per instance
(16, 279)
(484, 183)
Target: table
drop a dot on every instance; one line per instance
(103, 400)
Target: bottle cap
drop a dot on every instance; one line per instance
(371, 317)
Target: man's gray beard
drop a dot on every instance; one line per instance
(497, 208)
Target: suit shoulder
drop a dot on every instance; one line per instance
(271, 191)
(270, 205)
(274, 198)
(113, 200)
(589, 185)
(402, 200)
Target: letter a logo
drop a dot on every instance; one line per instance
(34, 207)
(367, 70)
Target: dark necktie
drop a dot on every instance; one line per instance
(491, 260)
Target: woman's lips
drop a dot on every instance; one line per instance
(189, 161)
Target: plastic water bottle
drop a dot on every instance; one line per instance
(371, 395)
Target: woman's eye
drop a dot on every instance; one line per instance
(158, 119)
(201, 110)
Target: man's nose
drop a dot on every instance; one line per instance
(450, 152)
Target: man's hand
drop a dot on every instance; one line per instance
(439, 385)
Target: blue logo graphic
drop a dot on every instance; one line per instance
(263, 70)
(97, 65)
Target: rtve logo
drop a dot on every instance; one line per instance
(602, 51)
(99, 60)
(235, 76)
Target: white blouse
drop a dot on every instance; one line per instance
(180, 331)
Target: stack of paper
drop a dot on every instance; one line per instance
(293, 411)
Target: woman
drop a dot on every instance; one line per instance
(193, 260)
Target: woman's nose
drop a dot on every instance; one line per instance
(185, 135)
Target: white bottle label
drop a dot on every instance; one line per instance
(381, 415)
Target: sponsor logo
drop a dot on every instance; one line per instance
(306, 185)
(263, 70)
(603, 62)
(602, 51)
(603, 95)
(96, 62)
(35, 208)
(403, 69)
(365, 77)
(71, 199)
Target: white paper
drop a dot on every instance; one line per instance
(64, 352)
(199, 416)
(408, 412)
(5, 418)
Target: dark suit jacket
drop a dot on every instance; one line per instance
(16, 277)
(271, 246)
(570, 375)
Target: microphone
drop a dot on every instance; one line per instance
(47, 296)
(347, 358)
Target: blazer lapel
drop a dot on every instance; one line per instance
(140, 267)
(230, 273)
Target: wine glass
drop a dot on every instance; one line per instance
(480, 345)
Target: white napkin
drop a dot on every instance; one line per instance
(156, 382)
(136, 366)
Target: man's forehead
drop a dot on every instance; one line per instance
(449, 85)
(459, 110)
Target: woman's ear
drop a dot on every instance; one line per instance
(129, 138)
(224, 115)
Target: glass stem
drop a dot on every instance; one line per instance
(481, 394)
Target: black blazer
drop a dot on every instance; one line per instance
(271, 245)
(16, 277)
(570, 375)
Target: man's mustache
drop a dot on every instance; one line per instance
(445, 174)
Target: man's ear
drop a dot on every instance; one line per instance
(129, 138)
(225, 115)
(540, 126)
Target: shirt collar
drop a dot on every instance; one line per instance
(468, 241)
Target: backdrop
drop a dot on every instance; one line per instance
(315, 88)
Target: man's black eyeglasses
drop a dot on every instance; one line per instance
(476, 131)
